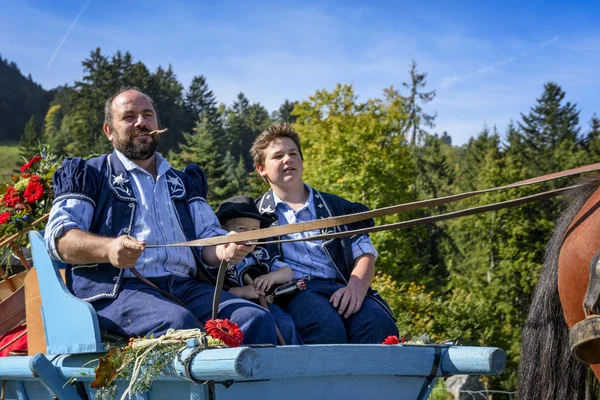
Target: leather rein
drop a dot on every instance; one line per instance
(253, 237)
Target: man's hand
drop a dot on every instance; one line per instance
(124, 251)
(348, 300)
(233, 253)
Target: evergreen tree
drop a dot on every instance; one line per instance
(416, 117)
(87, 105)
(550, 126)
(200, 100)
(200, 147)
(243, 123)
(30, 141)
(167, 94)
(593, 139)
(284, 113)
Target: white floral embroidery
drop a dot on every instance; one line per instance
(269, 209)
(175, 181)
(261, 253)
(119, 180)
(176, 185)
(119, 183)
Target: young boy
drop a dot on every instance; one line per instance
(338, 306)
(240, 214)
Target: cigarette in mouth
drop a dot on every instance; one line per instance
(158, 131)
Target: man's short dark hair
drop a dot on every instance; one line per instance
(108, 114)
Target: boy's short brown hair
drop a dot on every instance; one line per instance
(273, 132)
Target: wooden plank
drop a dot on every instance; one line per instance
(12, 311)
(328, 387)
(10, 285)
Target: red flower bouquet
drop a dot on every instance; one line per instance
(28, 196)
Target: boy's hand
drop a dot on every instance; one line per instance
(247, 292)
(124, 251)
(264, 282)
(348, 300)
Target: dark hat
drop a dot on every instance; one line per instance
(242, 207)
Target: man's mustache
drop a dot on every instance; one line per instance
(141, 132)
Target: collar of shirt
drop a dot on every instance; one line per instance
(162, 165)
(309, 205)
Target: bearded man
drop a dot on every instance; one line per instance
(108, 209)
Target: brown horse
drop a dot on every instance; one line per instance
(547, 370)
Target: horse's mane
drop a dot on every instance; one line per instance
(546, 370)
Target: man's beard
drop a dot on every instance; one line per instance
(142, 151)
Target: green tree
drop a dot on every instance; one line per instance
(57, 139)
(356, 150)
(551, 131)
(200, 147)
(243, 123)
(417, 118)
(30, 141)
(593, 139)
(284, 113)
(167, 94)
(201, 101)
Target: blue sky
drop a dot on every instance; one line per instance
(487, 60)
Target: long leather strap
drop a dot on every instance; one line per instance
(219, 288)
(427, 220)
(252, 236)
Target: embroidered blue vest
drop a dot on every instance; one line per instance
(104, 183)
(339, 249)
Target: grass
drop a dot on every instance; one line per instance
(9, 159)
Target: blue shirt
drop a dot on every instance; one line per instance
(155, 223)
(310, 258)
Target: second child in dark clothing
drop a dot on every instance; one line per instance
(239, 214)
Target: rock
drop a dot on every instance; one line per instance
(463, 386)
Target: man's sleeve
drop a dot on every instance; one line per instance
(75, 186)
(65, 215)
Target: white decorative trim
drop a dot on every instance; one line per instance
(196, 198)
(261, 202)
(318, 195)
(107, 295)
(112, 178)
(84, 266)
(78, 196)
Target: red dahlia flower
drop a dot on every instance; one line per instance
(34, 192)
(35, 178)
(391, 340)
(29, 163)
(4, 217)
(225, 330)
(12, 197)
